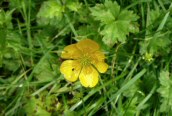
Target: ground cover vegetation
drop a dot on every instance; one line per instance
(85, 57)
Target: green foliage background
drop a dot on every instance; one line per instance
(135, 35)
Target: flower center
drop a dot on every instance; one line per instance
(85, 60)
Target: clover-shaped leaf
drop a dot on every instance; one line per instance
(165, 91)
(116, 23)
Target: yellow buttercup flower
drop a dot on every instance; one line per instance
(84, 61)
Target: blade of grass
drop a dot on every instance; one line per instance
(127, 85)
(93, 91)
(139, 107)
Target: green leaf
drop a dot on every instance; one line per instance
(113, 7)
(33, 107)
(157, 44)
(70, 113)
(42, 112)
(164, 78)
(30, 106)
(130, 107)
(14, 41)
(160, 43)
(154, 15)
(10, 47)
(165, 91)
(106, 16)
(73, 5)
(50, 11)
(116, 23)
(47, 70)
(115, 32)
(5, 19)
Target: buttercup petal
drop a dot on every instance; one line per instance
(71, 52)
(70, 69)
(89, 76)
(101, 67)
(87, 45)
(98, 56)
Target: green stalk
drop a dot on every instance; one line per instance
(26, 13)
